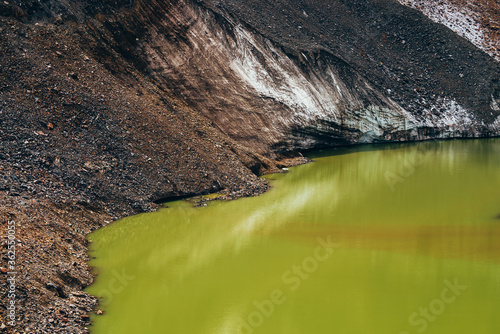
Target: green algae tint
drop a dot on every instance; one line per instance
(386, 239)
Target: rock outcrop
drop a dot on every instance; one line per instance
(335, 74)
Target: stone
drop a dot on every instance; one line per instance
(85, 317)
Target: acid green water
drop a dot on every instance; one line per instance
(376, 239)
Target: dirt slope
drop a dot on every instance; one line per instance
(82, 146)
(107, 108)
(477, 21)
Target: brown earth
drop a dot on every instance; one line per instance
(82, 146)
(94, 128)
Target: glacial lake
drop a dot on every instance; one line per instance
(385, 239)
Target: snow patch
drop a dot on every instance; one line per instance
(495, 126)
(495, 104)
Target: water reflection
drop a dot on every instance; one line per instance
(403, 219)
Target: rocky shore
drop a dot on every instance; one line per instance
(80, 148)
(107, 110)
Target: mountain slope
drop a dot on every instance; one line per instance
(109, 107)
(477, 21)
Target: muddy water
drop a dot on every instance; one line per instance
(376, 239)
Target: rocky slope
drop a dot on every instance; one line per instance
(108, 108)
(477, 21)
(428, 82)
(358, 71)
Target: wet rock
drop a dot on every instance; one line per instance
(85, 318)
(57, 289)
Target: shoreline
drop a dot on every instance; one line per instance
(52, 246)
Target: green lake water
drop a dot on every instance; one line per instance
(382, 239)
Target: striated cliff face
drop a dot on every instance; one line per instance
(266, 99)
(108, 107)
(294, 75)
(381, 72)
